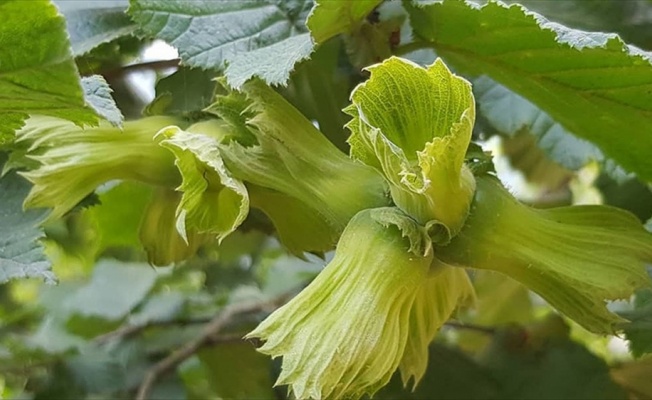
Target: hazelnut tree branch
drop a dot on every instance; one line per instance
(130, 330)
(209, 335)
(144, 66)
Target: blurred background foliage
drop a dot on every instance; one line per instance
(112, 317)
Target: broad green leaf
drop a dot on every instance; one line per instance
(98, 95)
(320, 90)
(173, 337)
(262, 38)
(630, 19)
(114, 289)
(414, 125)
(53, 337)
(97, 370)
(591, 83)
(92, 23)
(159, 307)
(238, 371)
(185, 92)
(267, 62)
(212, 200)
(332, 17)
(52, 299)
(21, 254)
(37, 70)
(510, 114)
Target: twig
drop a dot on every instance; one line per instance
(208, 335)
(150, 65)
(478, 328)
(226, 339)
(222, 339)
(127, 331)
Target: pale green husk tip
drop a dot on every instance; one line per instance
(375, 308)
(414, 125)
(577, 258)
(72, 162)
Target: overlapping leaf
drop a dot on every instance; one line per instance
(510, 113)
(98, 95)
(592, 83)
(185, 92)
(114, 290)
(332, 17)
(254, 37)
(630, 19)
(91, 23)
(21, 255)
(320, 90)
(37, 70)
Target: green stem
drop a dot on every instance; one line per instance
(410, 47)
